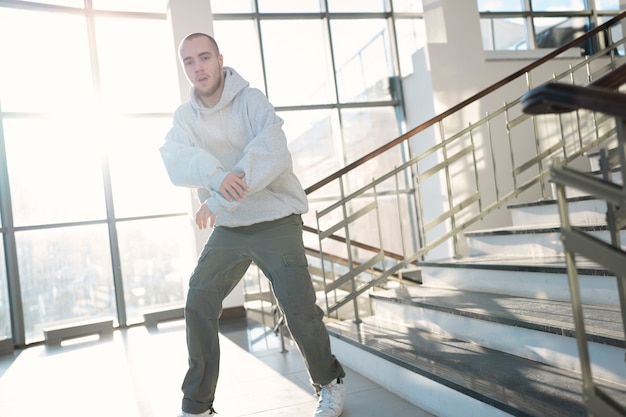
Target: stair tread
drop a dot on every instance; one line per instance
(519, 386)
(555, 264)
(603, 323)
(550, 202)
(534, 228)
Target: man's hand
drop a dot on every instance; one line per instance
(205, 217)
(233, 187)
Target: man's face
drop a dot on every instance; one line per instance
(203, 66)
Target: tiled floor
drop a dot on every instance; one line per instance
(137, 373)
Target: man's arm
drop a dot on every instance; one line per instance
(188, 165)
(266, 156)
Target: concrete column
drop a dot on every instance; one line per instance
(188, 16)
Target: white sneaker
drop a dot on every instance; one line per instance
(207, 413)
(330, 403)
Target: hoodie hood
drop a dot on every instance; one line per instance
(233, 85)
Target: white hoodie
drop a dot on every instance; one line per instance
(241, 133)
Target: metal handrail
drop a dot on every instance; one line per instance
(576, 241)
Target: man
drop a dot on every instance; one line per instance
(228, 143)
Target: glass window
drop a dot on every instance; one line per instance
(67, 3)
(158, 257)
(55, 171)
(537, 5)
(239, 44)
(558, 5)
(552, 32)
(148, 6)
(363, 61)
(607, 4)
(615, 32)
(313, 136)
(500, 5)
(411, 37)
(366, 129)
(65, 276)
(232, 6)
(44, 62)
(129, 53)
(514, 31)
(353, 6)
(5, 311)
(306, 79)
(504, 34)
(138, 178)
(406, 6)
(282, 6)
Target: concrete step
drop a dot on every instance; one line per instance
(530, 240)
(539, 330)
(542, 278)
(450, 377)
(583, 211)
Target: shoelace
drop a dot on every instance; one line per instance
(326, 395)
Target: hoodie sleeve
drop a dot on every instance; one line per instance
(266, 156)
(188, 165)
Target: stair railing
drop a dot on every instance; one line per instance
(602, 96)
(366, 206)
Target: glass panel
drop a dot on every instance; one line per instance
(500, 5)
(411, 36)
(282, 6)
(157, 257)
(348, 6)
(616, 33)
(245, 59)
(148, 6)
(44, 62)
(414, 6)
(54, 169)
(306, 79)
(552, 32)
(232, 6)
(145, 191)
(365, 130)
(504, 34)
(129, 80)
(312, 136)
(5, 312)
(362, 58)
(65, 276)
(607, 4)
(560, 5)
(68, 3)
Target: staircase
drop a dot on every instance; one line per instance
(497, 330)
(493, 334)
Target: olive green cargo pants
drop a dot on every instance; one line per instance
(276, 248)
